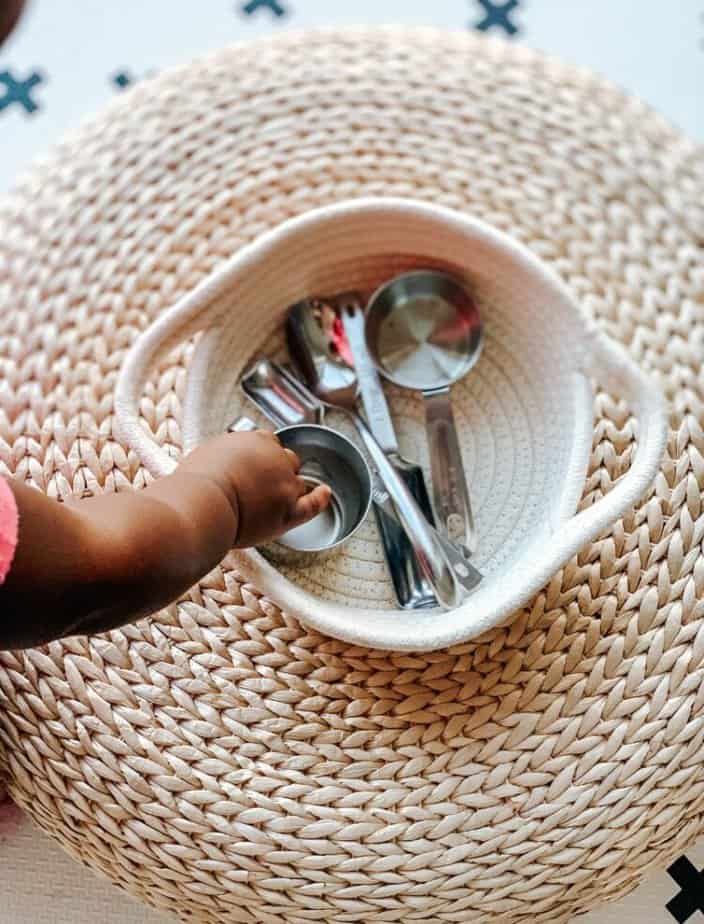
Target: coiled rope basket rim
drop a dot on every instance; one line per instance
(220, 762)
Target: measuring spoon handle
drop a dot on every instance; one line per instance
(371, 390)
(451, 501)
(450, 575)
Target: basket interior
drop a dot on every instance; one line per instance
(520, 413)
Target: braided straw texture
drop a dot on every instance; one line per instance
(223, 763)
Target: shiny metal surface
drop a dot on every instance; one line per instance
(242, 425)
(316, 339)
(330, 458)
(326, 457)
(413, 590)
(280, 396)
(423, 331)
(443, 564)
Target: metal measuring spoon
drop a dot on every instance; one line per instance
(416, 593)
(280, 396)
(424, 332)
(443, 564)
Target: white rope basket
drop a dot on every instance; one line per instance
(222, 761)
(529, 414)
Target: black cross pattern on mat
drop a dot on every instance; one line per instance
(691, 896)
(498, 15)
(122, 80)
(19, 91)
(272, 5)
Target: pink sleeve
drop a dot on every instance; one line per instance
(10, 814)
(8, 528)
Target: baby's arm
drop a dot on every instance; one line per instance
(95, 564)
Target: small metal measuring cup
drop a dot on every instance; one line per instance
(326, 457)
(423, 332)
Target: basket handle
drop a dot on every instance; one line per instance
(613, 368)
(198, 309)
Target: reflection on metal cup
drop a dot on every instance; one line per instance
(423, 331)
(329, 458)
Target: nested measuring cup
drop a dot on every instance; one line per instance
(424, 332)
(326, 457)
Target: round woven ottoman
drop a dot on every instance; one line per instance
(219, 761)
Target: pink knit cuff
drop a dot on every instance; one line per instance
(9, 527)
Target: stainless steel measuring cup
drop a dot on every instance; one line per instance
(326, 457)
(424, 332)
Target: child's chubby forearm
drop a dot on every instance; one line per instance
(91, 565)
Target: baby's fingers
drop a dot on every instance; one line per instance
(310, 505)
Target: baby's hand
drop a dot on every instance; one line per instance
(260, 480)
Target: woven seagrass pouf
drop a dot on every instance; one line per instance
(218, 760)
